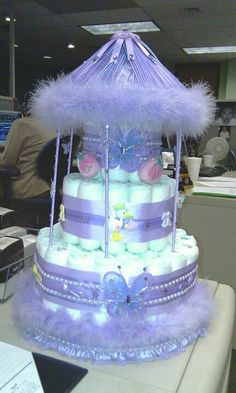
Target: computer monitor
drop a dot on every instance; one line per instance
(6, 120)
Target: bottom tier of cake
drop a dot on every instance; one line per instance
(130, 338)
(127, 308)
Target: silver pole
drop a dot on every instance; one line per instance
(107, 193)
(70, 150)
(53, 188)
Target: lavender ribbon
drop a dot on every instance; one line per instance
(148, 221)
(80, 287)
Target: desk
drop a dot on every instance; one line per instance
(212, 221)
(202, 368)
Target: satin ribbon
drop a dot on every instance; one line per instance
(82, 289)
(142, 211)
(147, 222)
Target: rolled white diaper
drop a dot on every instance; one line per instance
(80, 260)
(69, 238)
(42, 246)
(118, 192)
(158, 244)
(116, 174)
(137, 248)
(132, 267)
(180, 233)
(71, 184)
(89, 244)
(191, 252)
(189, 241)
(162, 266)
(177, 259)
(139, 193)
(115, 247)
(172, 183)
(134, 177)
(160, 192)
(91, 190)
(57, 255)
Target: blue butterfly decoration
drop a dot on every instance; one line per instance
(66, 147)
(125, 149)
(125, 300)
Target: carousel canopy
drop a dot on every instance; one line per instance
(123, 85)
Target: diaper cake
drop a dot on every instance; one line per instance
(114, 280)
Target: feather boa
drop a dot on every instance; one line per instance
(62, 104)
(119, 340)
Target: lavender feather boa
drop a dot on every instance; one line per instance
(63, 103)
(120, 340)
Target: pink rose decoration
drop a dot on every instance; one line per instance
(150, 171)
(88, 165)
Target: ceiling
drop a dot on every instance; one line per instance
(45, 27)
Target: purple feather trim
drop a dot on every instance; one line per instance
(62, 104)
(119, 340)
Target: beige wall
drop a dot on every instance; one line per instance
(227, 85)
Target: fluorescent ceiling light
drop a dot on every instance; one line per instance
(47, 57)
(71, 46)
(114, 27)
(210, 49)
(16, 45)
(8, 19)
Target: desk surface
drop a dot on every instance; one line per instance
(199, 369)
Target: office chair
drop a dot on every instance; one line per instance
(34, 212)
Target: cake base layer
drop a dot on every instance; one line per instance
(131, 338)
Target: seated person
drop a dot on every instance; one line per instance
(24, 142)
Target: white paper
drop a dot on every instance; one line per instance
(218, 178)
(215, 184)
(217, 190)
(18, 373)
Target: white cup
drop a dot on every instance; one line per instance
(208, 160)
(194, 164)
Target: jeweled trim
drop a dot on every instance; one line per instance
(89, 292)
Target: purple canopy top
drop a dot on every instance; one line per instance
(124, 85)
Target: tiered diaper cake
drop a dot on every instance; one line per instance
(114, 281)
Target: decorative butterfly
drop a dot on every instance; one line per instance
(65, 147)
(125, 150)
(125, 300)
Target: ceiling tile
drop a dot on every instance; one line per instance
(109, 16)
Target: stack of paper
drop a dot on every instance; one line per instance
(218, 186)
(18, 373)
